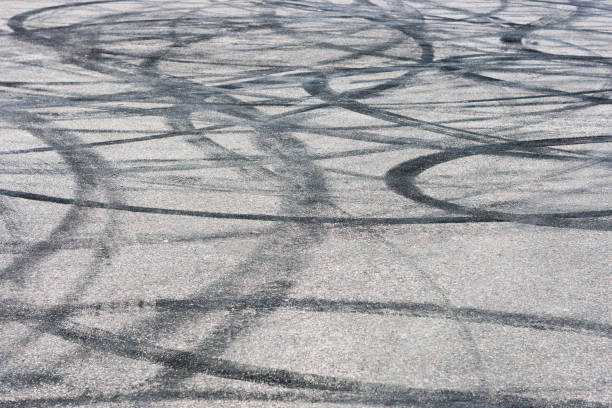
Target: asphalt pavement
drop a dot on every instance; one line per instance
(304, 203)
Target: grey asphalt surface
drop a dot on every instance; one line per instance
(305, 203)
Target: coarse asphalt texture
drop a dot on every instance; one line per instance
(306, 203)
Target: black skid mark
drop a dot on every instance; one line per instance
(376, 393)
(300, 221)
(255, 217)
(16, 271)
(402, 180)
(272, 300)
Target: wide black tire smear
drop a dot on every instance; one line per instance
(305, 203)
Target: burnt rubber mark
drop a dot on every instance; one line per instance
(239, 40)
(113, 142)
(249, 217)
(19, 269)
(402, 180)
(292, 396)
(376, 393)
(274, 301)
(484, 217)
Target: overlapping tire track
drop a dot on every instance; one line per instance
(261, 284)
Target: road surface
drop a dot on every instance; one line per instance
(305, 203)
